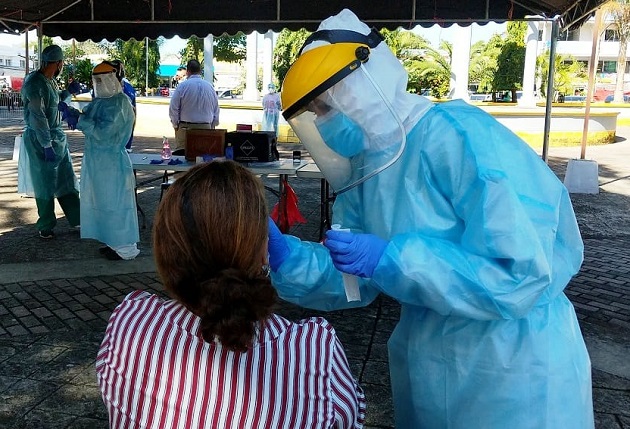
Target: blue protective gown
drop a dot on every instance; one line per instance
(271, 112)
(43, 125)
(108, 203)
(482, 241)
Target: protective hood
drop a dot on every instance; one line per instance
(387, 72)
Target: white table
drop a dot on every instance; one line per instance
(283, 168)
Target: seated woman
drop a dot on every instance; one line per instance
(215, 355)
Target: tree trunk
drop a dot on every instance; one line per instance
(621, 70)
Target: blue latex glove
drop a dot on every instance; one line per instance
(63, 108)
(356, 254)
(65, 94)
(49, 154)
(69, 114)
(73, 118)
(278, 247)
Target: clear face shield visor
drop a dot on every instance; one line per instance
(106, 85)
(351, 131)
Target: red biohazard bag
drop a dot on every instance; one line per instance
(286, 213)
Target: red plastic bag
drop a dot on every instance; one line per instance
(286, 213)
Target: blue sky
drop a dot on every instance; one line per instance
(479, 32)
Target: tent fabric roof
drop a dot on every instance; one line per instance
(126, 19)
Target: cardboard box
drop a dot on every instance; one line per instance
(204, 142)
(257, 146)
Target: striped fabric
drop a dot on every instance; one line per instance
(156, 371)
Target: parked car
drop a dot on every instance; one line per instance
(165, 91)
(574, 98)
(227, 93)
(480, 97)
(611, 97)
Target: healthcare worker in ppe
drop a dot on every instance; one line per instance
(271, 109)
(108, 203)
(45, 143)
(456, 218)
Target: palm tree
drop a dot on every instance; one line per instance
(619, 11)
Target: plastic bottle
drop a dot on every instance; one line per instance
(166, 150)
(229, 151)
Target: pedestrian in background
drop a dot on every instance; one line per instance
(271, 109)
(193, 106)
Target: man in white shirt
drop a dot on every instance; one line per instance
(194, 105)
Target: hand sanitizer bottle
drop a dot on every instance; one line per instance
(166, 150)
(229, 151)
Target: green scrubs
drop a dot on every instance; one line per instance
(43, 127)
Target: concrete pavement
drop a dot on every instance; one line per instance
(56, 297)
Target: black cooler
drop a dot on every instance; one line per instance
(257, 146)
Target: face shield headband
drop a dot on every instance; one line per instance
(344, 36)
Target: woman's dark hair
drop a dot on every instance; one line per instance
(209, 237)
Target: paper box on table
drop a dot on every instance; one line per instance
(204, 142)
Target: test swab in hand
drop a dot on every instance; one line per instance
(350, 282)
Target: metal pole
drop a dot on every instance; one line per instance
(550, 90)
(27, 65)
(591, 81)
(146, 70)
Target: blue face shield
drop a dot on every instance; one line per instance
(341, 134)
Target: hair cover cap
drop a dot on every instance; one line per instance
(51, 54)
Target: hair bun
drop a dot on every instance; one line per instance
(232, 305)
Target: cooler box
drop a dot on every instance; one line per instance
(257, 146)
(204, 142)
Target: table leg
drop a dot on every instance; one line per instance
(138, 208)
(282, 202)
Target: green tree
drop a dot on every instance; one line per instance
(192, 51)
(286, 51)
(511, 60)
(566, 71)
(133, 55)
(432, 71)
(483, 62)
(83, 71)
(428, 68)
(231, 49)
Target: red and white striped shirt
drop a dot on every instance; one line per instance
(156, 371)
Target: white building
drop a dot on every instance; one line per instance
(579, 43)
(12, 61)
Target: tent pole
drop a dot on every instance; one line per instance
(550, 83)
(40, 41)
(591, 80)
(146, 66)
(26, 55)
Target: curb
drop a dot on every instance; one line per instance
(35, 271)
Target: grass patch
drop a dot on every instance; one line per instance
(568, 138)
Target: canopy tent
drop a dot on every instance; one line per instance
(126, 19)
